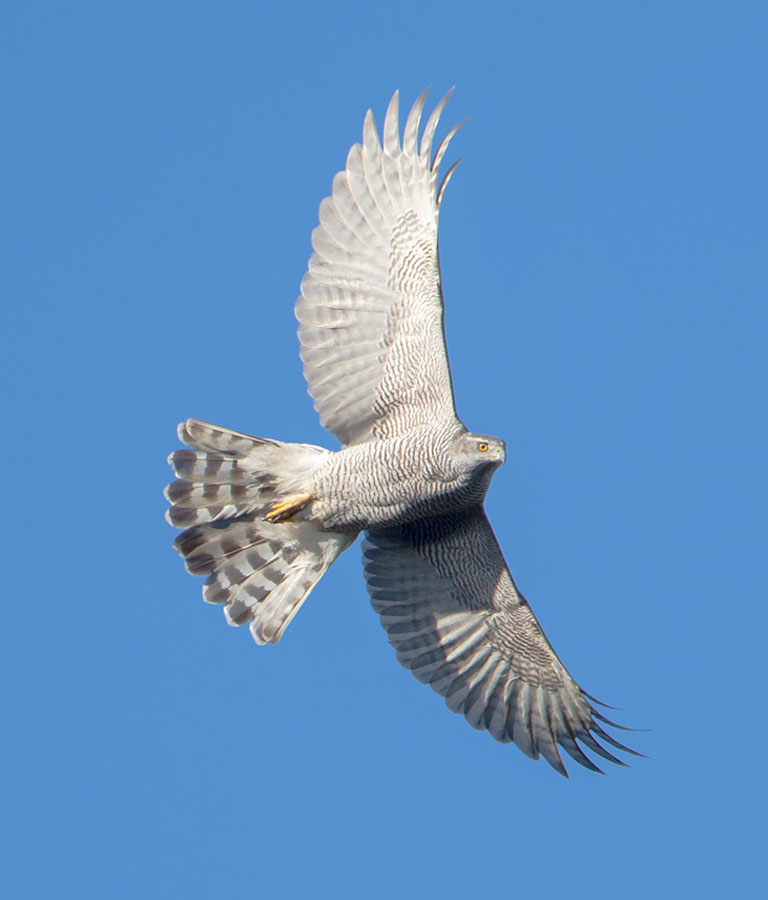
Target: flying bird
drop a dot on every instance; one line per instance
(263, 520)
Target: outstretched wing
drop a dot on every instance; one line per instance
(458, 622)
(371, 306)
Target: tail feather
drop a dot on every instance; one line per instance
(204, 548)
(189, 495)
(213, 437)
(230, 474)
(203, 467)
(267, 581)
(261, 572)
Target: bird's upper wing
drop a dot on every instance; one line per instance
(371, 306)
(458, 622)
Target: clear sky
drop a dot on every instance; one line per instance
(603, 249)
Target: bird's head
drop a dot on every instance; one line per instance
(481, 449)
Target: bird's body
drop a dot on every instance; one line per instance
(263, 520)
(380, 484)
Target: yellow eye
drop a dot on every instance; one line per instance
(482, 446)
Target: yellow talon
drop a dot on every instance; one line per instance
(288, 507)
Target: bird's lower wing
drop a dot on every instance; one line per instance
(371, 307)
(457, 621)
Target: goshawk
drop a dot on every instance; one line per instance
(263, 520)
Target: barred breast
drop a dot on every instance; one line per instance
(379, 484)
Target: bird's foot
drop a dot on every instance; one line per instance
(286, 509)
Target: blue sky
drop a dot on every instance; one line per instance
(603, 254)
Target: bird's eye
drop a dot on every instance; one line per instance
(482, 446)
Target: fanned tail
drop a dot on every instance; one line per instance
(260, 571)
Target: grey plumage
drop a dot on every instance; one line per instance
(264, 520)
(260, 571)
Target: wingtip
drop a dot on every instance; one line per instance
(444, 183)
(392, 125)
(431, 126)
(370, 135)
(558, 765)
(411, 132)
(600, 702)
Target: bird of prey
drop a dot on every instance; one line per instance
(263, 520)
